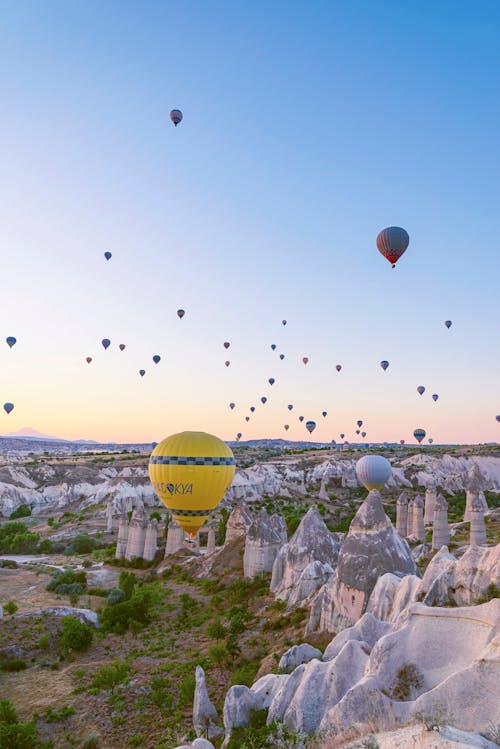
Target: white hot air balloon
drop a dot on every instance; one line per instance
(373, 471)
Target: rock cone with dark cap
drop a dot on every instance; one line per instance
(371, 548)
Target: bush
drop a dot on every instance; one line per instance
(44, 642)
(83, 544)
(109, 677)
(115, 595)
(23, 511)
(13, 665)
(119, 616)
(10, 607)
(216, 630)
(45, 546)
(408, 679)
(57, 716)
(9, 564)
(217, 654)
(245, 674)
(67, 577)
(126, 583)
(16, 539)
(162, 693)
(75, 635)
(91, 742)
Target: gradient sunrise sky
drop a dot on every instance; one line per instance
(308, 127)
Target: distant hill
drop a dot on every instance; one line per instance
(32, 434)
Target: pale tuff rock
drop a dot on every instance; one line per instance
(451, 473)
(410, 515)
(205, 715)
(311, 579)
(109, 517)
(197, 744)
(297, 655)
(430, 502)
(210, 540)
(121, 544)
(261, 546)
(391, 595)
(279, 524)
(440, 530)
(402, 514)
(461, 581)
(371, 548)
(367, 631)
(474, 485)
(311, 542)
(150, 541)
(477, 524)
(238, 522)
(136, 535)
(175, 538)
(418, 519)
(411, 737)
(241, 700)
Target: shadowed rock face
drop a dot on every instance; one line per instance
(262, 543)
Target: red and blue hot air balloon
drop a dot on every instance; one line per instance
(392, 242)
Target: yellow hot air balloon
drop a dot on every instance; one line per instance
(191, 472)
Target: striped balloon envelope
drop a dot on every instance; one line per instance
(191, 472)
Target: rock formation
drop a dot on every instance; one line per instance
(297, 655)
(150, 541)
(430, 501)
(311, 542)
(402, 514)
(210, 540)
(261, 545)
(175, 538)
(418, 519)
(121, 544)
(371, 548)
(109, 517)
(238, 523)
(205, 717)
(279, 524)
(410, 515)
(440, 530)
(477, 524)
(461, 582)
(136, 535)
(391, 595)
(311, 579)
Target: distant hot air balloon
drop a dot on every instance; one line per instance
(106, 342)
(384, 364)
(283, 322)
(11, 341)
(359, 423)
(227, 363)
(263, 399)
(8, 407)
(226, 344)
(271, 380)
(142, 372)
(290, 406)
(122, 347)
(419, 434)
(282, 356)
(232, 405)
(392, 242)
(342, 436)
(176, 116)
(88, 359)
(373, 471)
(180, 313)
(156, 358)
(401, 442)
(357, 431)
(431, 440)
(338, 367)
(305, 359)
(310, 426)
(448, 323)
(252, 408)
(497, 418)
(421, 389)
(435, 396)
(324, 413)
(247, 418)
(301, 418)
(363, 434)
(239, 436)
(273, 346)
(287, 427)
(108, 255)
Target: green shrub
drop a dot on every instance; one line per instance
(57, 716)
(67, 577)
(15, 538)
(491, 592)
(162, 693)
(245, 674)
(13, 665)
(186, 690)
(76, 635)
(111, 676)
(10, 607)
(83, 544)
(44, 642)
(23, 511)
(126, 583)
(115, 595)
(45, 546)
(216, 630)
(408, 679)
(119, 617)
(217, 654)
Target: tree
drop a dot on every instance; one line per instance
(23, 511)
(75, 635)
(126, 583)
(216, 630)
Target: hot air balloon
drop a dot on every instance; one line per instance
(363, 434)
(392, 242)
(497, 418)
(232, 405)
(247, 418)
(191, 472)
(419, 434)
(239, 435)
(287, 427)
(273, 346)
(359, 423)
(8, 407)
(180, 313)
(106, 342)
(310, 426)
(108, 255)
(324, 413)
(282, 356)
(357, 431)
(305, 359)
(88, 359)
(263, 399)
(11, 341)
(373, 471)
(435, 396)
(290, 406)
(431, 440)
(421, 389)
(448, 323)
(342, 436)
(338, 367)
(227, 363)
(156, 358)
(283, 322)
(176, 116)
(142, 372)
(384, 364)
(271, 380)
(226, 344)
(301, 418)
(122, 347)
(252, 408)
(401, 442)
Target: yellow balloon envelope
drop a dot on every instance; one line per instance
(191, 472)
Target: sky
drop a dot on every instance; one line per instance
(308, 127)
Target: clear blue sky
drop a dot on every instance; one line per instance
(307, 128)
